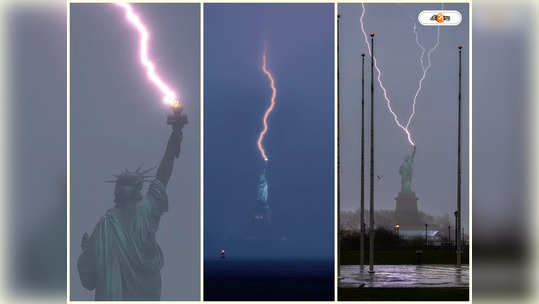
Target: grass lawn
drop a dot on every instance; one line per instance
(404, 294)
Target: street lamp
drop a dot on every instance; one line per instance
(426, 237)
(449, 234)
(396, 227)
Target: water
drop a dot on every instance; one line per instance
(398, 276)
(268, 280)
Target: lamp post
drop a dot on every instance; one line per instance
(426, 237)
(449, 234)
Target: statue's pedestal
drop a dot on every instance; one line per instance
(406, 212)
(260, 224)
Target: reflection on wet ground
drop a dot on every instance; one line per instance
(393, 276)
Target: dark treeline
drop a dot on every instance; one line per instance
(384, 239)
(350, 220)
(391, 249)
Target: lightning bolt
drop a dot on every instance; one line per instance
(379, 78)
(269, 109)
(425, 68)
(169, 97)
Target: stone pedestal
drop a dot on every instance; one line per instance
(406, 212)
(260, 223)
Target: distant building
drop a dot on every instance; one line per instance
(434, 237)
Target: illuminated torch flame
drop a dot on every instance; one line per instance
(169, 96)
(270, 108)
(176, 106)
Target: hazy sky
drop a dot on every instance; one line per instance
(299, 142)
(36, 114)
(501, 124)
(118, 121)
(435, 125)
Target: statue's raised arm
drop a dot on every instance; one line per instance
(177, 120)
(413, 155)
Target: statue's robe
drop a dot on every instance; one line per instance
(262, 207)
(405, 171)
(263, 189)
(123, 260)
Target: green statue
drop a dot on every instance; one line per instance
(121, 260)
(406, 171)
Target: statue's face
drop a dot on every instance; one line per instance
(128, 192)
(407, 158)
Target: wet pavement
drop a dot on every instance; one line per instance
(398, 276)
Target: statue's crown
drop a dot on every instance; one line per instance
(132, 177)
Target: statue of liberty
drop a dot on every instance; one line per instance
(121, 260)
(405, 171)
(262, 209)
(263, 188)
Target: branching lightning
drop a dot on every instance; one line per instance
(169, 96)
(379, 78)
(269, 109)
(424, 67)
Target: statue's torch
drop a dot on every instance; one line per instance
(177, 120)
(176, 106)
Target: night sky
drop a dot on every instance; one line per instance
(300, 139)
(118, 121)
(435, 125)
